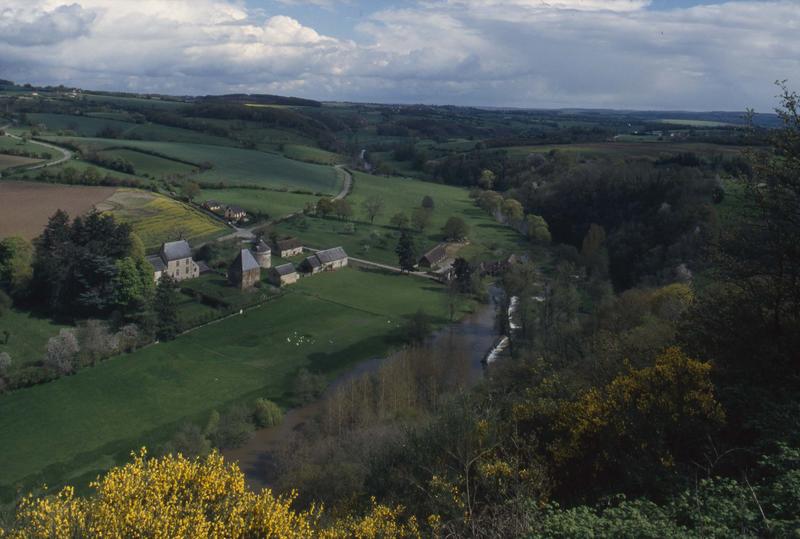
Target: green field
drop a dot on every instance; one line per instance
(272, 203)
(311, 154)
(28, 335)
(8, 143)
(235, 165)
(156, 218)
(146, 164)
(488, 239)
(75, 427)
(85, 126)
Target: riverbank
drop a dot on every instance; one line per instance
(474, 336)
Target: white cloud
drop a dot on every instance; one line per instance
(605, 53)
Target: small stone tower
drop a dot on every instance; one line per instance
(262, 253)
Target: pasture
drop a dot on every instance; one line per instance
(148, 165)
(8, 143)
(75, 427)
(235, 165)
(488, 239)
(310, 154)
(25, 207)
(27, 336)
(156, 218)
(85, 126)
(273, 203)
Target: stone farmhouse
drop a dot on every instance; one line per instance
(244, 272)
(284, 274)
(327, 260)
(175, 260)
(235, 213)
(287, 247)
(262, 253)
(434, 257)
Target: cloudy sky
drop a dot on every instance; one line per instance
(642, 54)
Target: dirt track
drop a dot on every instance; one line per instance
(25, 207)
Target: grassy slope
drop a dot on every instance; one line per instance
(96, 416)
(404, 195)
(86, 126)
(273, 203)
(28, 336)
(148, 164)
(236, 165)
(8, 143)
(311, 154)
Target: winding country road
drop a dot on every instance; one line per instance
(248, 233)
(66, 155)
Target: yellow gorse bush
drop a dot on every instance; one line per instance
(174, 497)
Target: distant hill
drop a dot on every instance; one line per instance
(260, 99)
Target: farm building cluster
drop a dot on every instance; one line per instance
(232, 213)
(175, 259)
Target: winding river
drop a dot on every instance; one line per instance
(474, 335)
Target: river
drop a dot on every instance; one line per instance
(474, 335)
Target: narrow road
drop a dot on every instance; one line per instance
(347, 185)
(249, 233)
(66, 155)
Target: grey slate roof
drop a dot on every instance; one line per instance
(203, 267)
(237, 209)
(437, 254)
(285, 269)
(288, 243)
(175, 250)
(246, 261)
(261, 247)
(156, 262)
(331, 255)
(313, 261)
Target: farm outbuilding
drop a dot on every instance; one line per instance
(213, 205)
(244, 272)
(434, 257)
(327, 260)
(287, 247)
(284, 274)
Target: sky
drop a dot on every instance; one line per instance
(623, 54)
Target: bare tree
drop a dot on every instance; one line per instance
(61, 351)
(5, 362)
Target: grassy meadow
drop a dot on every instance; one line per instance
(376, 242)
(147, 164)
(75, 427)
(234, 165)
(27, 336)
(272, 203)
